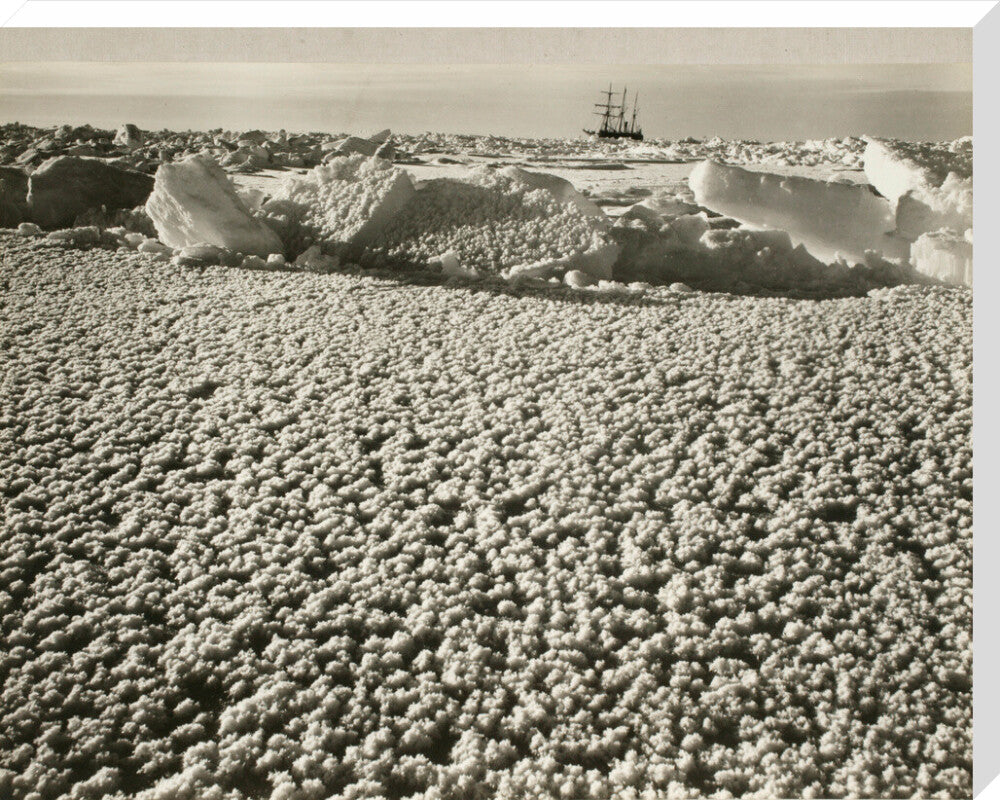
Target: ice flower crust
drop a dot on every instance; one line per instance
(345, 201)
(493, 222)
(289, 535)
(490, 222)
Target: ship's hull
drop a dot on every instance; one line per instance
(602, 134)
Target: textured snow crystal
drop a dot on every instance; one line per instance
(349, 200)
(560, 188)
(530, 223)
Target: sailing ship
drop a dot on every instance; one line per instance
(614, 125)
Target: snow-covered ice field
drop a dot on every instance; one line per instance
(287, 535)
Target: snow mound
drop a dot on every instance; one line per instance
(494, 223)
(829, 219)
(451, 267)
(931, 185)
(194, 202)
(247, 157)
(349, 200)
(314, 260)
(927, 209)
(597, 262)
(487, 222)
(355, 145)
(129, 136)
(560, 188)
(669, 205)
(578, 279)
(944, 255)
(641, 215)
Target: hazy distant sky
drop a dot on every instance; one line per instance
(922, 101)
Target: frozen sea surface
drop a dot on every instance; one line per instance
(303, 536)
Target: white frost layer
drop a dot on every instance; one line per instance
(827, 218)
(944, 255)
(193, 202)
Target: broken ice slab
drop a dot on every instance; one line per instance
(931, 184)
(944, 255)
(924, 210)
(829, 219)
(194, 202)
(65, 187)
(895, 167)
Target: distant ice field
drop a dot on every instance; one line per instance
(600, 181)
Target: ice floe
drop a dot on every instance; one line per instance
(359, 204)
(62, 188)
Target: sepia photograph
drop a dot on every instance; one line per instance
(471, 413)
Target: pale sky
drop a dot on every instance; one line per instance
(910, 101)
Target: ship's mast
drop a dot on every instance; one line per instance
(608, 109)
(614, 122)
